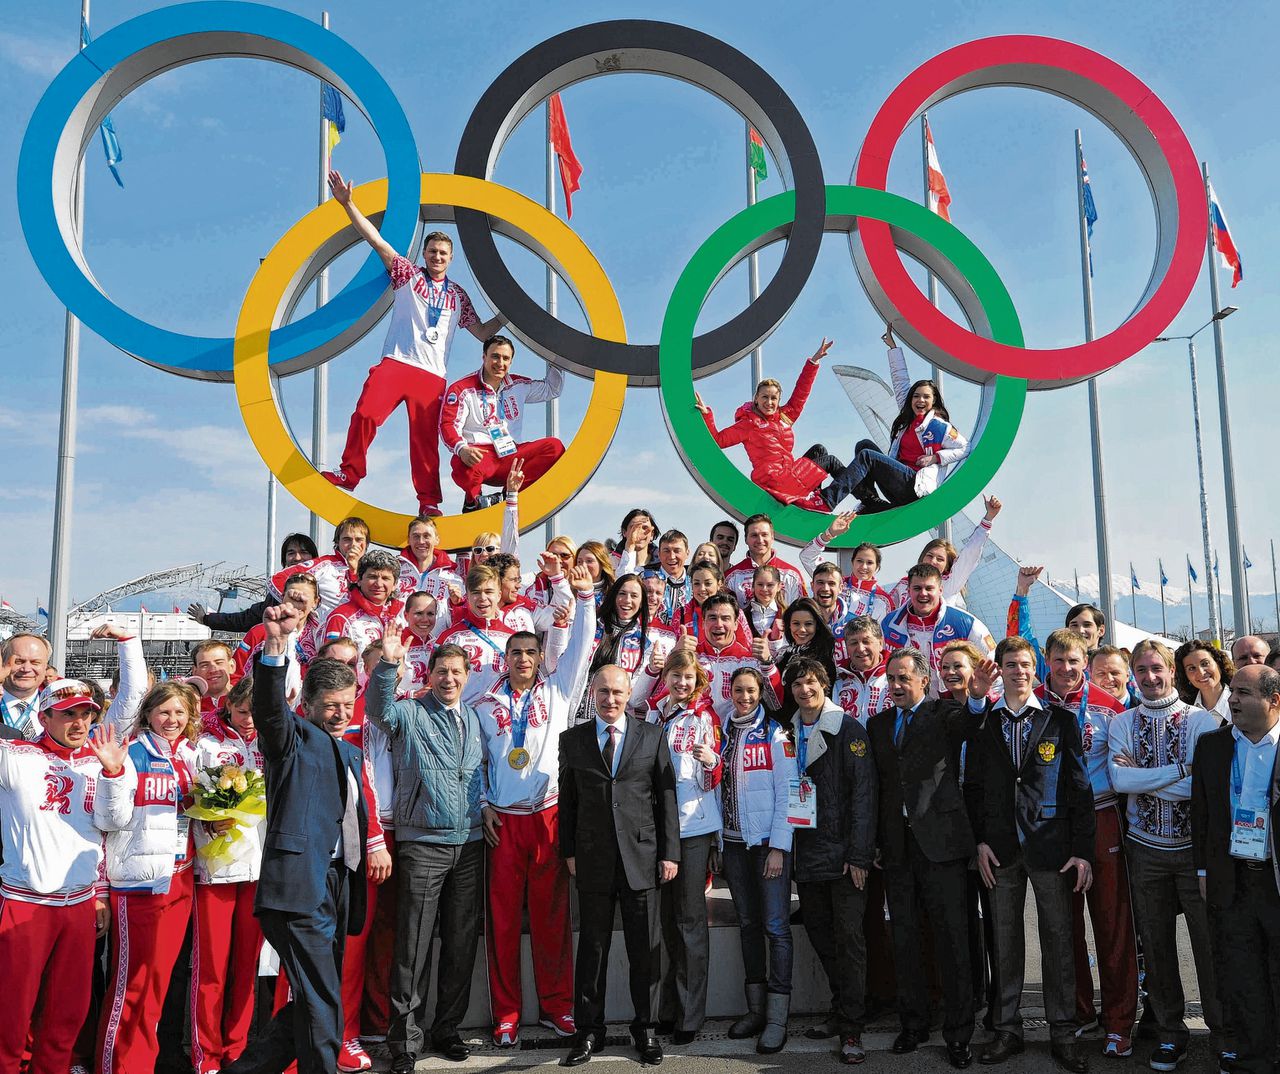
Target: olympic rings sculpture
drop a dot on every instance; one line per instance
(267, 345)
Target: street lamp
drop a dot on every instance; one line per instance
(1209, 583)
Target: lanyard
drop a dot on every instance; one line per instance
(434, 308)
(1083, 710)
(499, 411)
(488, 641)
(1237, 776)
(802, 746)
(520, 724)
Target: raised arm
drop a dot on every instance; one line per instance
(277, 732)
(341, 192)
(804, 382)
(550, 387)
(572, 664)
(726, 437)
(970, 555)
(133, 676)
(897, 368)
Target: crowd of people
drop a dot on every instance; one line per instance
(449, 744)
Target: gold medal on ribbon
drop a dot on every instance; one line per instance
(518, 758)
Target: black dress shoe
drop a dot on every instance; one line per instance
(1002, 1049)
(908, 1041)
(585, 1045)
(1070, 1058)
(454, 1049)
(684, 1036)
(402, 1063)
(647, 1047)
(959, 1055)
(666, 1026)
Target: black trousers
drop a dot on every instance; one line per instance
(832, 912)
(309, 1027)
(1246, 937)
(436, 881)
(595, 935)
(941, 888)
(686, 936)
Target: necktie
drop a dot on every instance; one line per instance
(610, 746)
(351, 823)
(900, 727)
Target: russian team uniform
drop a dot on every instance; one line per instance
(441, 572)
(737, 579)
(149, 861)
(905, 630)
(226, 939)
(54, 805)
(364, 622)
(861, 694)
(485, 643)
(333, 575)
(475, 415)
(527, 857)
(425, 317)
(954, 581)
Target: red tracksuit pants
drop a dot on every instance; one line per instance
(353, 956)
(389, 384)
(146, 938)
(380, 951)
(1111, 913)
(538, 457)
(527, 863)
(46, 953)
(225, 943)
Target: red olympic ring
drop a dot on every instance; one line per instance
(1102, 87)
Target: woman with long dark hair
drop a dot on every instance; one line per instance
(808, 636)
(922, 441)
(622, 635)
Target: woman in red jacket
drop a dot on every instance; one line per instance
(765, 427)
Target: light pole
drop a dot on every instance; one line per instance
(1215, 633)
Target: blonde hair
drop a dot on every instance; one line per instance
(602, 557)
(683, 660)
(163, 692)
(1150, 645)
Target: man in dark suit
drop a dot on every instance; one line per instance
(1031, 807)
(620, 837)
(311, 890)
(925, 846)
(1235, 807)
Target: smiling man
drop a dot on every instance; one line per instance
(26, 658)
(482, 420)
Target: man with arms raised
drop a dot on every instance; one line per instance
(620, 837)
(426, 312)
(522, 716)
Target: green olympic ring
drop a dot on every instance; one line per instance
(767, 221)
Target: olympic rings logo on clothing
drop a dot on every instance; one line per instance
(989, 352)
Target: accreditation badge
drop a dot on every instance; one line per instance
(503, 443)
(180, 846)
(1249, 834)
(802, 803)
(518, 758)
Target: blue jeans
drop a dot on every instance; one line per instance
(896, 480)
(764, 909)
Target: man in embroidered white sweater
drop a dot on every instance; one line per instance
(1152, 751)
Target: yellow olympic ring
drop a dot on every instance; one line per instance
(528, 223)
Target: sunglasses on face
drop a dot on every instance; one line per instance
(483, 548)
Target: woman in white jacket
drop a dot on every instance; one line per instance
(226, 938)
(681, 707)
(759, 765)
(148, 864)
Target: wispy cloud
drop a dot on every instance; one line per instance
(43, 57)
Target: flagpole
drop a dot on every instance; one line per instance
(553, 405)
(271, 525)
(1191, 599)
(1275, 589)
(1105, 598)
(68, 420)
(944, 531)
(1239, 608)
(320, 387)
(753, 271)
(1217, 582)
(1248, 617)
(1076, 571)
(1133, 594)
(1210, 578)
(1164, 619)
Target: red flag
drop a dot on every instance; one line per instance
(939, 195)
(570, 168)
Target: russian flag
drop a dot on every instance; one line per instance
(1222, 240)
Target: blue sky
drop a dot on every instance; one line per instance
(220, 159)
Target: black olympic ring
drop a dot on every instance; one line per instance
(657, 48)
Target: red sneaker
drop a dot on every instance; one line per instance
(506, 1034)
(562, 1024)
(343, 480)
(353, 1057)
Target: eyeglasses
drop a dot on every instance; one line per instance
(483, 548)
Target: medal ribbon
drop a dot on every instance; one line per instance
(519, 724)
(434, 308)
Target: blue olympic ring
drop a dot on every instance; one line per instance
(112, 66)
